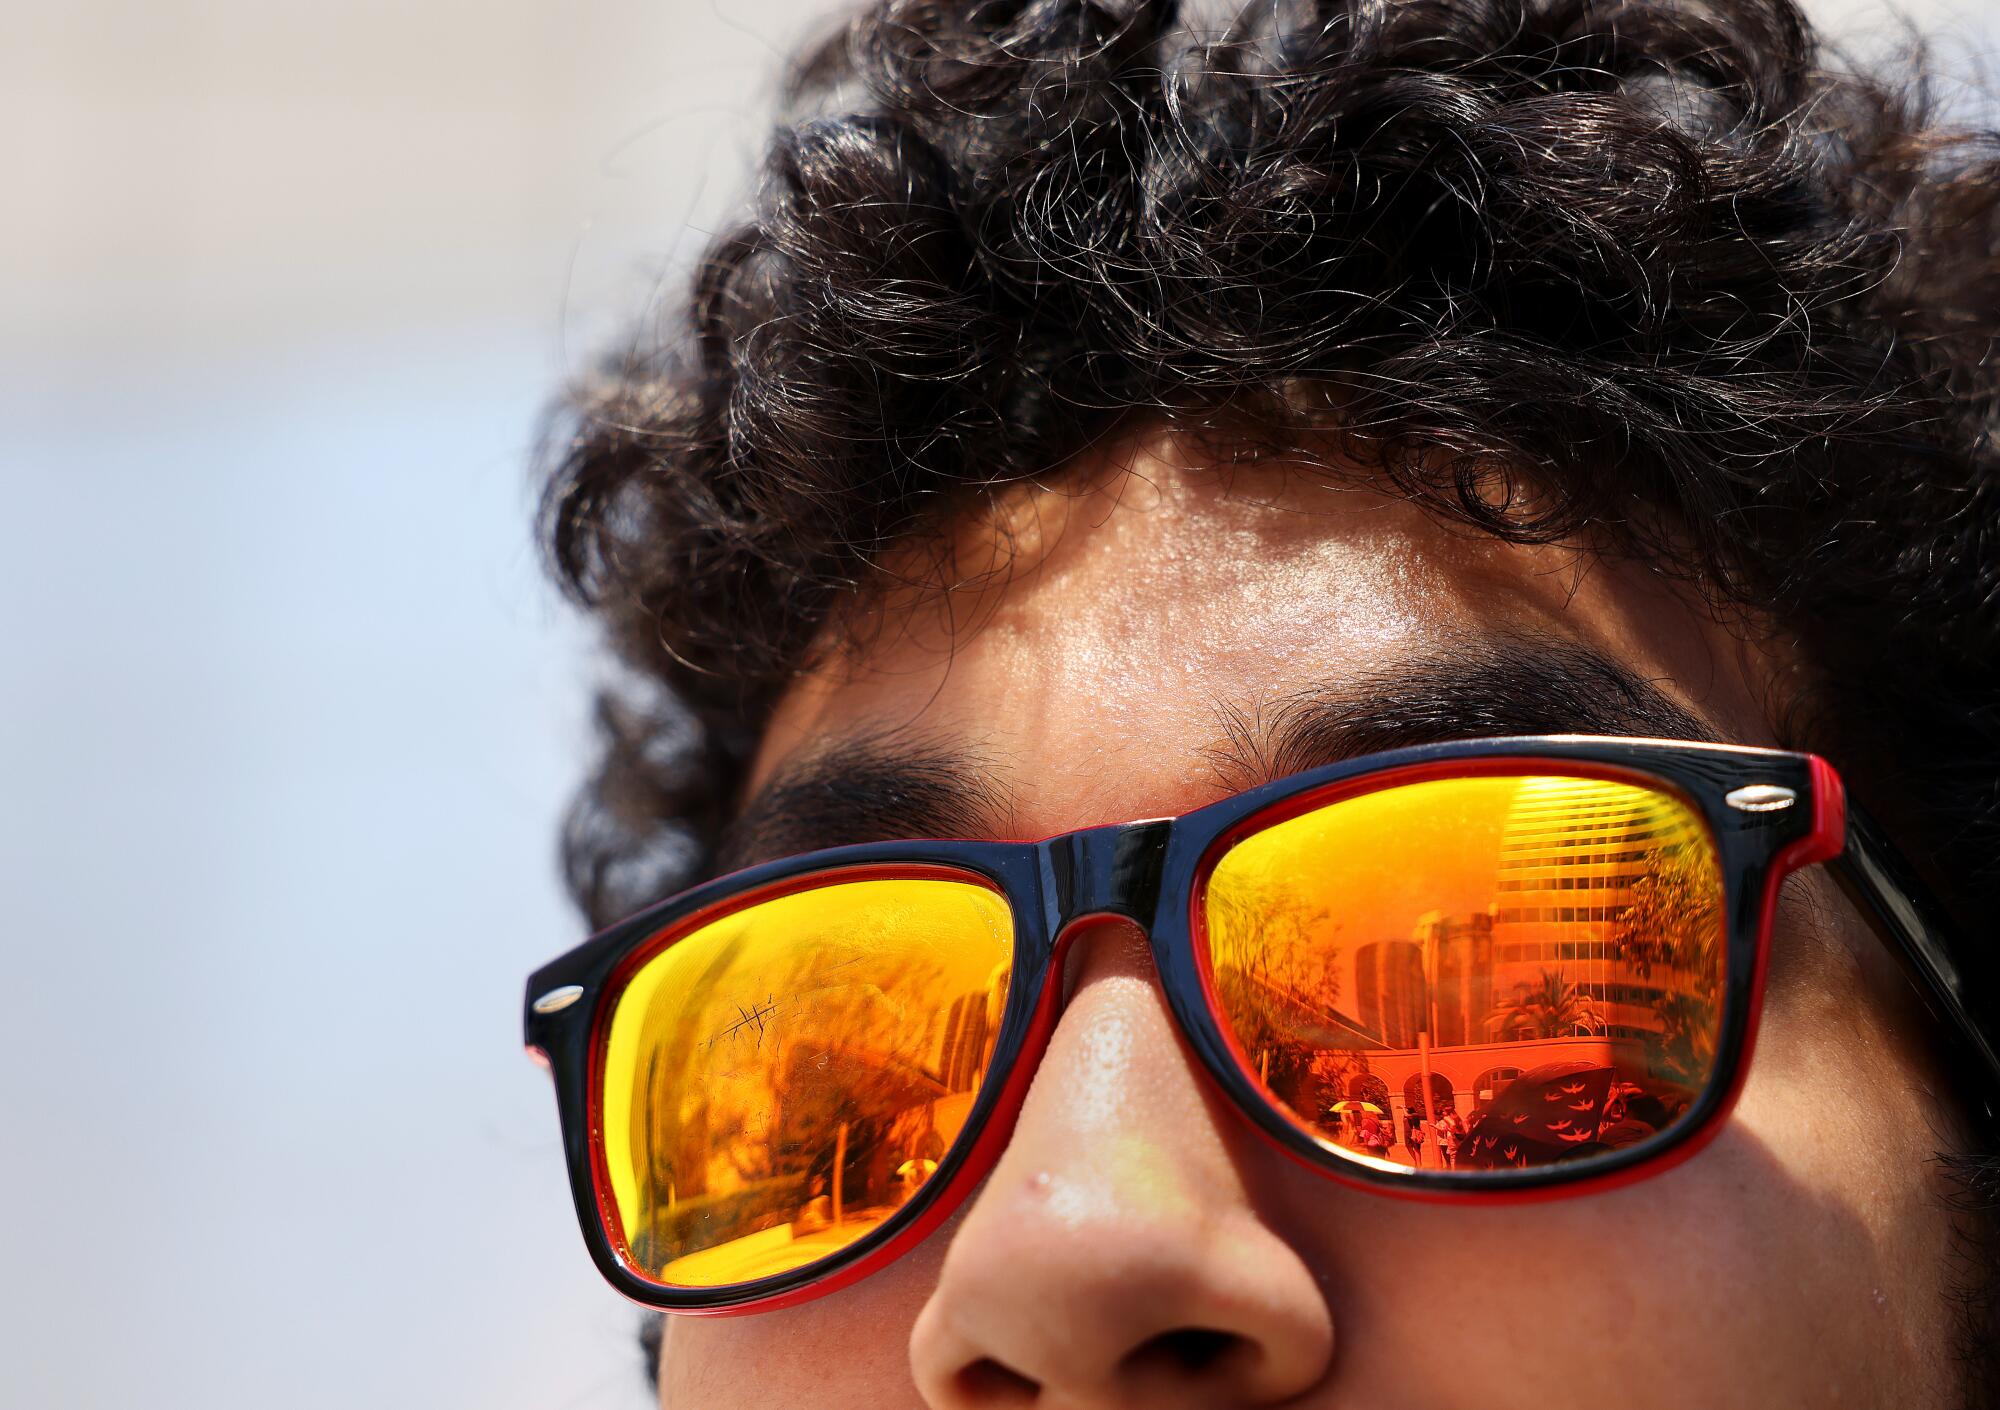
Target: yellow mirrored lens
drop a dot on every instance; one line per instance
(1475, 973)
(780, 1081)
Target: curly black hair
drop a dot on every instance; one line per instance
(1653, 271)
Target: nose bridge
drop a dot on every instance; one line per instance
(1114, 1254)
(1107, 871)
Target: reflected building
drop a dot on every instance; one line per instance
(1570, 854)
(1462, 984)
(1390, 992)
(800, 1122)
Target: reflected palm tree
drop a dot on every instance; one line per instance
(1550, 1008)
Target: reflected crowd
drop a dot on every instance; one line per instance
(1554, 1112)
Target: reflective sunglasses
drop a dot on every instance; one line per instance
(1482, 971)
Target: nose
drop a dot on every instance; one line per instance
(1115, 1256)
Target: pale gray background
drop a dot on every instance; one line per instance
(287, 716)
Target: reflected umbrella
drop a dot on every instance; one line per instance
(1548, 1113)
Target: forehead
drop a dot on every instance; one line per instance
(1098, 636)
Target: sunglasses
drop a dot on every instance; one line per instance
(1481, 971)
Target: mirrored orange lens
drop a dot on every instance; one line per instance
(1475, 973)
(780, 1081)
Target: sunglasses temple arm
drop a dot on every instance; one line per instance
(1881, 885)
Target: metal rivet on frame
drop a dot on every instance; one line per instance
(1760, 798)
(556, 1000)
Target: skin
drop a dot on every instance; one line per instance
(1799, 1260)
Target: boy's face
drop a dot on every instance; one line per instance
(1138, 1243)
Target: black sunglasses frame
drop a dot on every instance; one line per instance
(1768, 811)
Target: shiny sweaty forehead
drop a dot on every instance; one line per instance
(1142, 639)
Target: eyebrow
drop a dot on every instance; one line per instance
(1477, 688)
(870, 787)
(889, 784)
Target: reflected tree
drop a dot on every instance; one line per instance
(1551, 1007)
(1674, 923)
(1277, 967)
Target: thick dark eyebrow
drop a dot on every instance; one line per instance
(870, 788)
(1477, 688)
(889, 784)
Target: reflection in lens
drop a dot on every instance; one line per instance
(781, 1080)
(1475, 973)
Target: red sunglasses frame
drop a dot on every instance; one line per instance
(1154, 872)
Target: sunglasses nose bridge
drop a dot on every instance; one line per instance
(1109, 871)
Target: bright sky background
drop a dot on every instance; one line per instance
(287, 715)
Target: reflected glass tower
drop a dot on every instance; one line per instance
(1571, 853)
